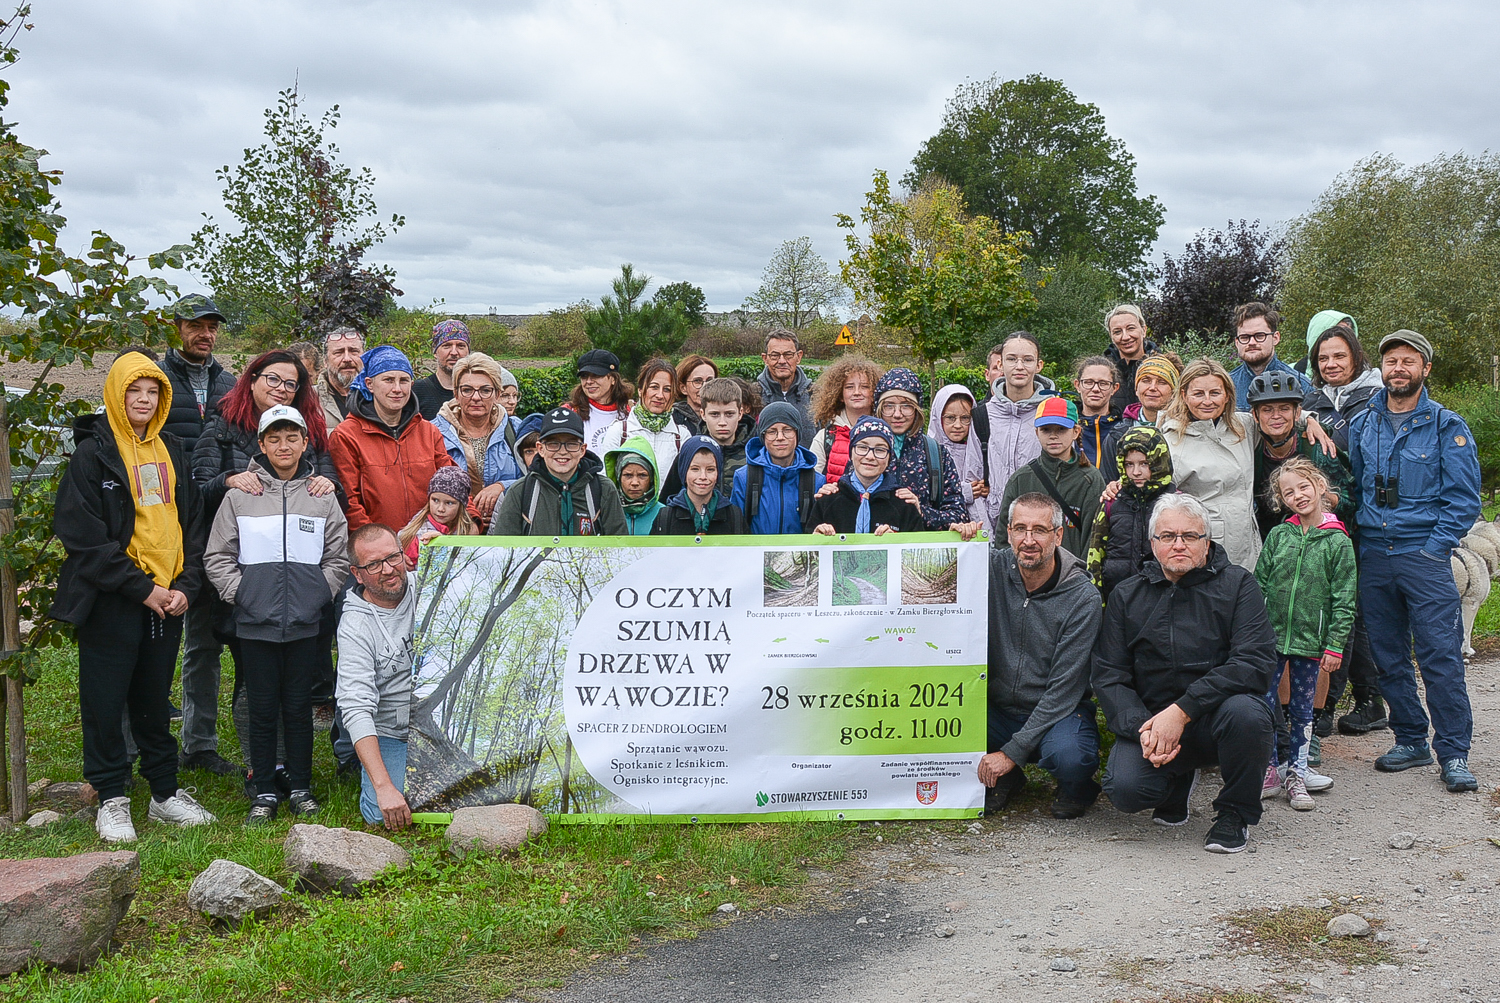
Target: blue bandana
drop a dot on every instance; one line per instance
(380, 359)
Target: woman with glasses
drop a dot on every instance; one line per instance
(656, 411)
(864, 500)
(952, 426)
(923, 471)
(479, 433)
(1096, 380)
(565, 493)
(692, 373)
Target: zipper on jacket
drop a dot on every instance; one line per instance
(1296, 580)
(284, 584)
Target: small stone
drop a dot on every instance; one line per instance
(496, 828)
(232, 893)
(62, 911)
(1403, 840)
(944, 932)
(728, 907)
(35, 788)
(1063, 965)
(1348, 925)
(1420, 889)
(1322, 904)
(957, 905)
(1383, 938)
(44, 817)
(974, 829)
(862, 921)
(773, 957)
(339, 860)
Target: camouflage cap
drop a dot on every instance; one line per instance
(195, 306)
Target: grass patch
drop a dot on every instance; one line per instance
(1301, 933)
(449, 930)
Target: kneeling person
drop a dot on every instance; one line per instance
(1044, 617)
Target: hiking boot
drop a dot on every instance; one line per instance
(210, 760)
(262, 810)
(1365, 717)
(1296, 792)
(1006, 788)
(1323, 722)
(302, 804)
(1315, 781)
(1315, 751)
(179, 809)
(1229, 834)
(1404, 757)
(1457, 777)
(1271, 786)
(1174, 810)
(113, 821)
(1073, 803)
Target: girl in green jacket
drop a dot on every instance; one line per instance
(1306, 571)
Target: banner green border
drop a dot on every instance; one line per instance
(772, 540)
(856, 815)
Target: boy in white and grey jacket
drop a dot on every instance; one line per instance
(375, 670)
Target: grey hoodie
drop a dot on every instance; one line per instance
(1040, 647)
(1012, 442)
(375, 665)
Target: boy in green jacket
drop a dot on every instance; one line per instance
(566, 492)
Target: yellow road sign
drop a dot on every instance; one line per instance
(846, 337)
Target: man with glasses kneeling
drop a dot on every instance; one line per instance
(1181, 669)
(565, 493)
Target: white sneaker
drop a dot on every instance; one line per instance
(1316, 781)
(113, 821)
(180, 809)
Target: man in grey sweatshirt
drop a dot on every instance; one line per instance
(1044, 618)
(375, 670)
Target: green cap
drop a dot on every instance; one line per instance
(194, 306)
(1410, 339)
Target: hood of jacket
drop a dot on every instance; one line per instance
(1323, 320)
(968, 456)
(126, 370)
(365, 409)
(636, 445)
(156, 546)
(1040, 391)
(1361, 388)
(1147, 440)
(755, 455)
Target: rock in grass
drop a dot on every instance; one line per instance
(67, 798)
(1403, 840)
(44, 817)
(496, 828)
(232, 893)
(62, 911)
(1348, 925)
(340, 860)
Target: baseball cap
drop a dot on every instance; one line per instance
(1411, 339)
(280, 412)
(195, 306)
(598, 362)
(1056, 411)
(561, 421)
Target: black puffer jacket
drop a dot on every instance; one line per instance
(841, 509)
(1195, 643)
(225, 449)
(676, 519)
(94, 518)
(1125, 395)
(185, 420)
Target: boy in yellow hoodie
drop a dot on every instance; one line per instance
(129, 517)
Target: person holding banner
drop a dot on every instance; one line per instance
(698, 509)
(865, 499)
(776, 486)
(1044, 617)
(566, 492)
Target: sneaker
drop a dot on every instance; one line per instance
(1365, 717)
(283, 782)
(1457, 776)
(1315, 751)
(210, 760)
(262, 810)
(113, 821)
(1296, 792)
(1404, 757)
(1174, 810)
(1271, 786)
(1007, 787)
(174, 712)
(1323, 722)
(1229, 834)
(1073, 804)
(179, 809)
(1315, 781)
(302, 803)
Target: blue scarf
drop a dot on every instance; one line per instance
(862, 518)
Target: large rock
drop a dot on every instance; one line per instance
(339, 860)
(1348, 925)
(232, 893)
(62, 911)
(496, 828)
(65, 798)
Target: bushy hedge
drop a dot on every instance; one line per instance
(1479, 405)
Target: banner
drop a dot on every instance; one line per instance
(690, 679)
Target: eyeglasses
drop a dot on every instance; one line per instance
(1023, 532)
(779, 431)
(781, 356)
(1179, 537)
(1245, 339)
(698, 381)
(555, 447)
(891, 407)
(394, 561)
(958, 419)
(488, 391)
(277, 383)
(878, 452)
(1095, 384)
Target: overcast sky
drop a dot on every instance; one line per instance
(534, 147)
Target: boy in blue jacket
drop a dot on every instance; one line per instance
(776, 486)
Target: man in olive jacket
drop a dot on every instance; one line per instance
(565, 493)
(1181, 669)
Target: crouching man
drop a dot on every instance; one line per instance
(1181, 667)
(375, 670)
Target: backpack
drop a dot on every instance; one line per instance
(934, 470)
(755, 478)
(534, 485)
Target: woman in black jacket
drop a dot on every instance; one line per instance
(865, 500)
(699, 509)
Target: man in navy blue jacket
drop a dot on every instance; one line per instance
(1416, 470)
(775, 488)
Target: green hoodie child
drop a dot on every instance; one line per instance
(640, 512)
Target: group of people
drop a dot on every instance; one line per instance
(1179, 537)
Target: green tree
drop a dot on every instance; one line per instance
(298, 211)
(1406, 247)
(796, 286)
(930, 268)
(1032, 157)
(1072, 298)
(692, 300)
(634, 330)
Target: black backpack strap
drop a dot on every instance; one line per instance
(1074, 517)
(981, 428)
(755, 478)
(510, 435)
(806, 490)
(934, 471)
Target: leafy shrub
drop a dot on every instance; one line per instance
(1479, 405)
(544, 389)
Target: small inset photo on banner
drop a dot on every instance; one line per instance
(929, 576)
(859, 577)
(791, 577)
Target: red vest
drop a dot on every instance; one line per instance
(838, 451)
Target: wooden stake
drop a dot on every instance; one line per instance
(10, 636)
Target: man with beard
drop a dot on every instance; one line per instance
(1257, 332)
(1044, 618)
(342, 350)
(450, 342)
(1416, 469)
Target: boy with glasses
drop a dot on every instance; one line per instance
(565, 493)
(1257, 332)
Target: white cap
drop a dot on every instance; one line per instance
(280, 412)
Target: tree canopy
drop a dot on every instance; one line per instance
(1033, 158)
(1216, 272)
(691, 298)
(796, 286)
(636, 331)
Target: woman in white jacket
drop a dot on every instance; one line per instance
(657, 383)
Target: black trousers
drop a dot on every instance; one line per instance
(127, 656)
(278, 682)
(1236, 737)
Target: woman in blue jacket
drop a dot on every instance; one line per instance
(478, 433)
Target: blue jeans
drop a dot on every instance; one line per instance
(393, 755)
(1411, 607)
(1069, 750)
